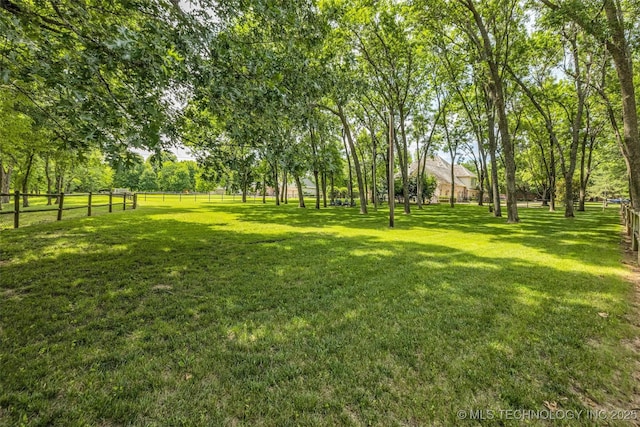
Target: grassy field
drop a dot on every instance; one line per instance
(199, 313)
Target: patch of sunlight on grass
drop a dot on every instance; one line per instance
(125, 292)
(294, 327)
(530, 297)
(176, 271)
(486, 265)
(501, 347)
(430, 264)
(371, 252)
(351, 314)
(246, 334)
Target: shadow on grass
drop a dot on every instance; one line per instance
(135, 319)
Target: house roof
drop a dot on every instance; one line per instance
(463, 172)
(441, 170)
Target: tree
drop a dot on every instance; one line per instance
(608, 24)
(93, 174)
(383, 38)
(103, 72)
(15, 129)
(493, 45)
(177, 177)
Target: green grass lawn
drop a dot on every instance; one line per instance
(199, 313)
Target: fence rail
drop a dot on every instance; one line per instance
(115, 199)
(195, 196)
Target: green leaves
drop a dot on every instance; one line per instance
(96, 69)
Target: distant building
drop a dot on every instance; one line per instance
(465, 181)
(308, 189)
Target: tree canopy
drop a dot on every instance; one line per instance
(538, 97)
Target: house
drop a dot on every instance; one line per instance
(308, 189)
(465, 181)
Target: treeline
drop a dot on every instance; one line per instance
(48, 175)
(534, 96)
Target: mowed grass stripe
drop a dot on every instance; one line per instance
(222, 313)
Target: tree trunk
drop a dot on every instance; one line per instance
(356, 163)
(350, 183)
(316, 179)
(245, 184)
(575, 131)
(585, 166)
(483, 173)
(452, 199)
(300, 194)
(275, 179)
(374, 188)
(365, 178)
(622, 59)
(568, 197)
(366, 185)
(333, 192)
(25, 181)
(5, 182)
(284, 195)
(552, 178)
(264, 189)
(418, 175)
(493, 148)
(509, 156)
(452, 153)
(47, 173)
(496, 90)
(583, 181)
(324, 188)
(405, 165)
(244, 192)
(390, 165)
(315, 165)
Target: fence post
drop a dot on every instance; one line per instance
(634, 231)
(89, 205)
(625, 218)
(124, 201)
(110, 201)
(135, 200)
(16, 209)
(60, 206)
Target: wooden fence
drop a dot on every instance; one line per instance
(115, 199)
(631, 221)
(193, 196)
